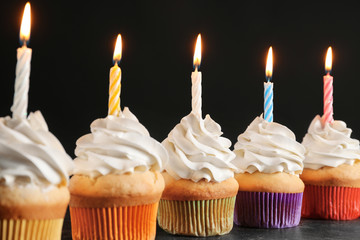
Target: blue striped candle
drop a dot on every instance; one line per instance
(268, 101)
(268, 88)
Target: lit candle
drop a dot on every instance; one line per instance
(196, 80)
(328, 89)
(19, 107)
(268, 88)
(115, 80)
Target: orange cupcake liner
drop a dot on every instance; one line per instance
(24, 229)
(197, 218)
(116, 223)
(330, 202)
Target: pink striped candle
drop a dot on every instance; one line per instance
(328, 89)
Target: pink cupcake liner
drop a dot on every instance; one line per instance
(267, 209)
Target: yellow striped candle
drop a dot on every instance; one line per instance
(115, 81)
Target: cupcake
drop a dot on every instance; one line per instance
(331, 172)
(269, 161)
(200, 190)
(34, 173)
(117, 185)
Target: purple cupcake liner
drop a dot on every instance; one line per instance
(268, 210)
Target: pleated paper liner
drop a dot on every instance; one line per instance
(197, 218)
(23, 229)
(268, 210)
(118, 223)
(329, 202)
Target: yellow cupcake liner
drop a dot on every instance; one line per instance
(24, 229)
(118, 223)
(197, 218)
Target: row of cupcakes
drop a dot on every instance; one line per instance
(119, 189)
(117, 183)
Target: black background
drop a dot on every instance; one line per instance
(73, 44)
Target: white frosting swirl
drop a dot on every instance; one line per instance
(196, 150)
(329, 145)
(268, 147)
(30, 154)
(118, 145)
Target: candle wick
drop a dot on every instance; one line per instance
(196, 68)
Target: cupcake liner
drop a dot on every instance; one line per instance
(21, 229)
(330, 202)
(267, 209)
(197, 218)
(129, 222)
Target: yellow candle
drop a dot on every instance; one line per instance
(115, 81)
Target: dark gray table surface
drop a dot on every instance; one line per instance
(308, 229)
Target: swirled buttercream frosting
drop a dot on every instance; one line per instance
(268, 147)
(30, 154)
(197, 150)
(118, 145)
(329, 145)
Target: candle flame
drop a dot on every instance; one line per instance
(269, 65)
(328, 60)
(197, 53)
(25, 24)
(118, 50)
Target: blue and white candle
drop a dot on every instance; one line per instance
(268, 88)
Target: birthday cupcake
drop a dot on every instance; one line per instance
(116, 179)
(34, 173)
(34, 167)
(269, 161)
(331, 172)
(117, 185)
(200, 190)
